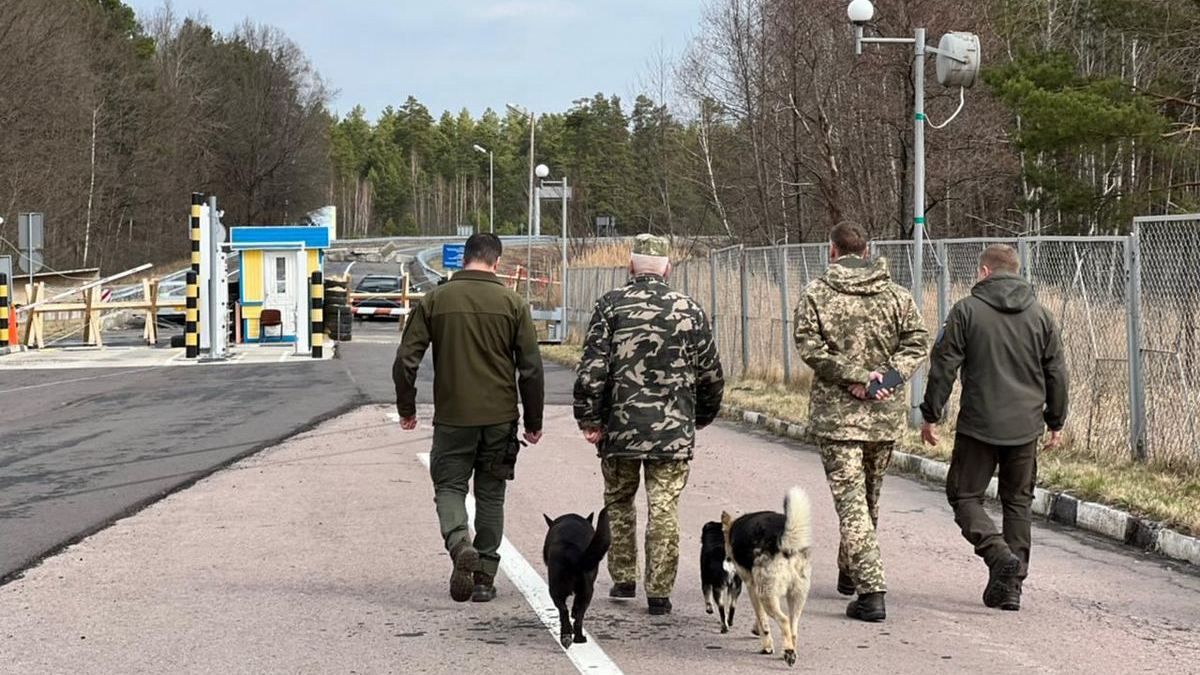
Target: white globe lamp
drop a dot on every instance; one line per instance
(542, 171)
(860, 11)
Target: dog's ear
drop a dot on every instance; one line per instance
(590, 516)
(549, 523)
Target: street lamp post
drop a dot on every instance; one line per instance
(491, 187)
(957, 66)
(543, 171)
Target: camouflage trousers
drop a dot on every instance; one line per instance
(855, 472)
(665, 480)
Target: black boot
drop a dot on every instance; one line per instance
(1011, 602)
(845, 583)
(1002, 575)
(485, 588)
(867, 607)
(659, 606)
(624, 589)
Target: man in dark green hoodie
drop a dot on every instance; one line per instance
(1014, 387)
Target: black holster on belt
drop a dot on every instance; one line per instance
(505, 465)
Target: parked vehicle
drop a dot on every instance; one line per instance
(390, 307)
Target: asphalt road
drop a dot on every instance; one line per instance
(81, 448)
(323, 555)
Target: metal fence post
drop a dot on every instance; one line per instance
(712, 273)
(786, 314)
(1133, 324)
(317, 315)
(1023, 254)
(745, 311)
(943, 288)
(687, 287)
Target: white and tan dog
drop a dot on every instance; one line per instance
(770, 552)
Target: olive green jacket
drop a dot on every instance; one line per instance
(485, 351)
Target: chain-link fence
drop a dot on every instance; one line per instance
(1107, 293)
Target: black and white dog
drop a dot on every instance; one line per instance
(770, 552)
(572, 553)
(720, 581)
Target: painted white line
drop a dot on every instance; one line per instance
(587, 657)
(284, 357)
(350, 267)
(395, 417)
(77, 380)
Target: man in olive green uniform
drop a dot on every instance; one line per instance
(649, 378)
(1014, 387)
(485, 351)
(852, 326)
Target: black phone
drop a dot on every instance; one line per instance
(891, 380)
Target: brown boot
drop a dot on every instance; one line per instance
(466, 565)
(485, 588)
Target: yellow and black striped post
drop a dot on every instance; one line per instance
(318, 315)
(191, 336)
(3, 310)
(197, 201)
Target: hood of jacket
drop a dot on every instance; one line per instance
(1005, 292)
(853, 275)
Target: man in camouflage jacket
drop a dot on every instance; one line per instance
(853, 325)
(649, 378)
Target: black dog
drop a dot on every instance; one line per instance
(718, 577)
(572, 553)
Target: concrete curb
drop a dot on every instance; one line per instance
(5, 351)
(1058, 507)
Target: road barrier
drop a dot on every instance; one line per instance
(191, 335)
(197, 202)
(3, 310)
(318, 315)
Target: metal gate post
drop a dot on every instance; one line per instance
(943, 289)
(1133, 325)
(745, 311)
(784, 291)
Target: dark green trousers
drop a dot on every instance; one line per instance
(458, 454)
(971, 469)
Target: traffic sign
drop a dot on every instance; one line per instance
(35, 257)
(30, 232)
(452, 256)
(6, 268)
(555, 192)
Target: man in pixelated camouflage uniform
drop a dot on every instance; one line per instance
(649, 378)
(852, 326)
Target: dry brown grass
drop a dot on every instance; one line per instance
(1156, 491)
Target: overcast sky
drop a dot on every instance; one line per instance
(451, 54)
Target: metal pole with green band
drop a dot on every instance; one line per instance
(916, 388)
(318, 315)
(4, 337)
(191, 336)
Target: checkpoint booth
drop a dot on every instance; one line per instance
(275, 265)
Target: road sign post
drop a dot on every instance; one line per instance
(31, 240)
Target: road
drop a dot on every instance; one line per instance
(81, 448)
(323, 555)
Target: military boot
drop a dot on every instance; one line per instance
(1002, 574)
(485, 588)
(659, 606)
(867, 607)
(1011, 602)
(466, 564)
(624, 589)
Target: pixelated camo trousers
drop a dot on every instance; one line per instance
(665, 480)
(855, 473)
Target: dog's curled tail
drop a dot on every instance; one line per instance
(797, 529)
(601, 539)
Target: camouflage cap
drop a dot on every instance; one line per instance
(651, 245)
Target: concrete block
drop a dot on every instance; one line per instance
(750, 417)
(1102, 520)
(1064, 509)
(1043, 500)
(934, 469)
(1181, 547)
(796, 431)
(1141, 533)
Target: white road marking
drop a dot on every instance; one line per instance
(77, 380)
(587, 657)
(350, 267)
(284, 357)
